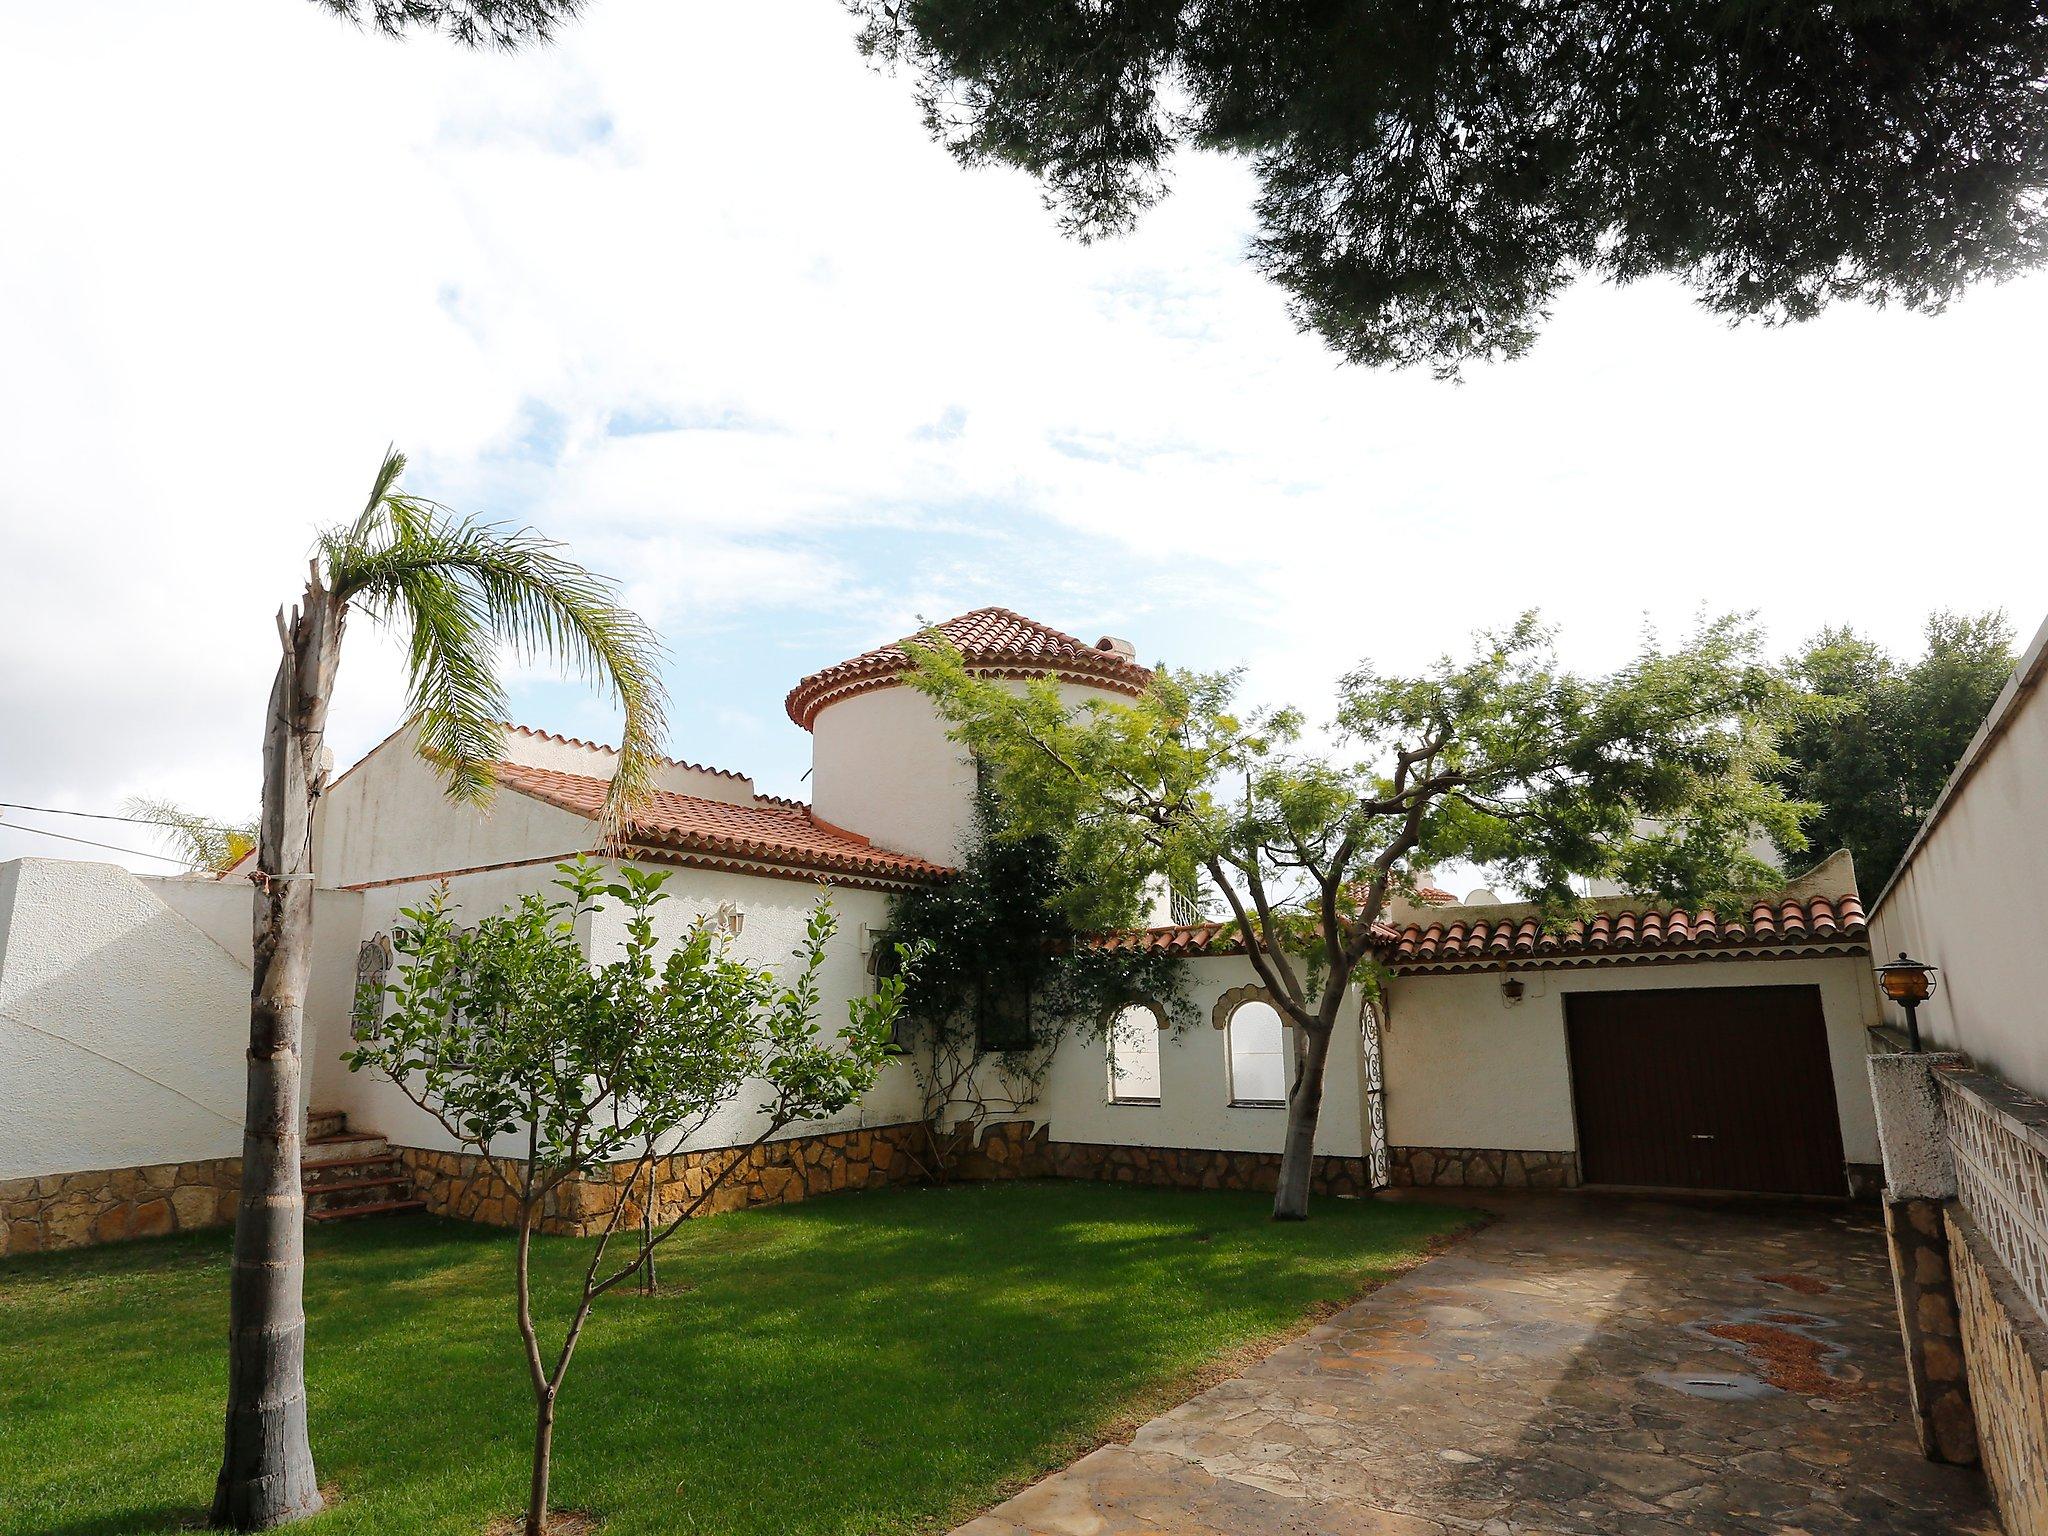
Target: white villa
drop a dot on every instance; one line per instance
(1642, 1048)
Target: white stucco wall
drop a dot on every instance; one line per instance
(1466, 1069)
(390, 816)
(122, 1026)
(224, 911)
(1972, 893)
(1194, 1108)
(775, 911)
(882, 765)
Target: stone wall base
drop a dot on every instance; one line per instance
(1918, 1238)
(104, 1205)
(1481, 1168)
(2005, 1350)
(1013, 1150)
(461, 1184)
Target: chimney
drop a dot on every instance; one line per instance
(1117, 647)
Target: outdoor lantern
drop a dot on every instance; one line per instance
(1909, 984)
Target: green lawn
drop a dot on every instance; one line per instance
(887, 1362)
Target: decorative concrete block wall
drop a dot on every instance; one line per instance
(2006, 1346)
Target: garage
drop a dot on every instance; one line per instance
(1721, 1088)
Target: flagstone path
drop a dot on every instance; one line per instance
(1588, 1365)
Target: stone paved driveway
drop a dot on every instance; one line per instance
(1588, 1365)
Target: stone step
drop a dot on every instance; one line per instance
(341, 1170)
(384, 1208)
(348, 1144)
(356, 1192)
(325, 1122)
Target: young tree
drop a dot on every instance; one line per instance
(507, 1034)
(1431, 177)
(457, 591)
(1876, 761)
(1656, 777)
(205, 846)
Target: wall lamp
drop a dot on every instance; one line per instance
(1909, 983)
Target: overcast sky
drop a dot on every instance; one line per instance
(692, 292)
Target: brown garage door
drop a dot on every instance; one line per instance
(1719, 1088)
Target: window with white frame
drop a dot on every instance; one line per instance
(1258, 1054)
(1133, 1037)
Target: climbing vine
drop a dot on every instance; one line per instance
(1004, 977)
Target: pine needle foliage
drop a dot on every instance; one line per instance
(501, 24)
(1431, 176)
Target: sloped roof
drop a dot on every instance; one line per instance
(992, 640)
(782, 836)
(1790, 926)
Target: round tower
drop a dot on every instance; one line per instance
(882, 764)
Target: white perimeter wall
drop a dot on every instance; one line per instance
(775, 913)
(1972, 893)
(1466, 1069)
(122, 1025)
(1194, 1108)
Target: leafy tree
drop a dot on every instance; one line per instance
(458, 592)
(1875, 762)
(1656, 777)
(504, 24)
(203, 845)
(1005, 974)
(509, 1037)
(1431, 176)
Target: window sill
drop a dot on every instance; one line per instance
(1132, 1103)
(1258, 1103)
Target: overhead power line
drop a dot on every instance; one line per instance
(141, 821)
(66, 837)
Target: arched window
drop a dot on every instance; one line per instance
(1133, 1036)
(1258, 1053)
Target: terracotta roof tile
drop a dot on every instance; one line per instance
(715, 831)
(612, 751)
(1788, 923)
(992, 640)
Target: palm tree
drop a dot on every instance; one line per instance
(207, 847)
(456, 590)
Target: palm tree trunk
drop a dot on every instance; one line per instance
(1304, 1107)
(266, 1473)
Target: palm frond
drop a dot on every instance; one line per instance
(459, 588)
(201, 844)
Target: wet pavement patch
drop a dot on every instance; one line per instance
(1805, 1285)
(1714, 1386)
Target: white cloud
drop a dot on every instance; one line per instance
(692, 292)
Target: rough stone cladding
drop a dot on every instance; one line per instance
(2005, 1347)
(1481, 1168)
(460, 1184)
(1014, 1151)
(104, 1205)
(1924, 1284)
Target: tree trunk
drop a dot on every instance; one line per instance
(266, 1473)
(543, 1452)
(1304, 1106)
(649, 1284)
